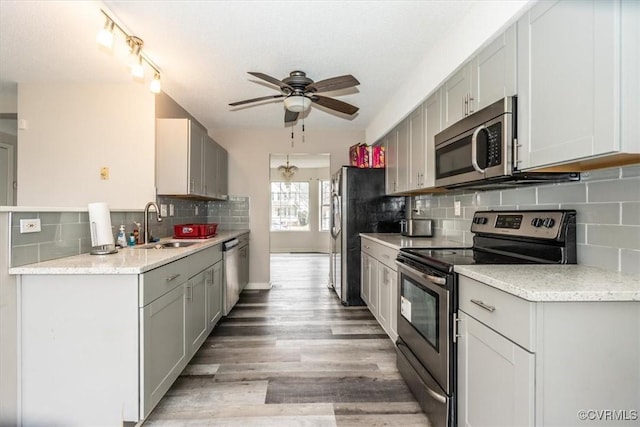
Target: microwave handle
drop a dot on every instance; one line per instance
(474, 149)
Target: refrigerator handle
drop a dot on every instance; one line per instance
(335, 205)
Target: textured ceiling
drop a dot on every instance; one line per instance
(205, 48)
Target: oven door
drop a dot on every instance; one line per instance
(424, 319)
(479, 153)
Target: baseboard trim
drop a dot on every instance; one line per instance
(258, 286)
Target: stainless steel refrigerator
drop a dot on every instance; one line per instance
(358, 205)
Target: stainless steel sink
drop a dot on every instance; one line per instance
(166, 245)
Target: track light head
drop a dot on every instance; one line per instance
(155, 85)
(105, 36)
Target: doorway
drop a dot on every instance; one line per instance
(299, 211)
(8, 160)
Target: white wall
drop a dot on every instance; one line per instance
(75, 129)
(484, 19)
(312, 240)
(249, 151)
(8, 100)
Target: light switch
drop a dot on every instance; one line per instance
(456, 208)
(172, 211)
(163, 210)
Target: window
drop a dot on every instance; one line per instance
(289, 206)
(325, 205)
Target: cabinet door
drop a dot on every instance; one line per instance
(495, 378)
(568, 81)
(365, 268)
(393, 317)
(222, 177)
(197, 321)
(196, 144)
(385, 300)
(244, 267)
(372, 278)
(214, 294)
(403, 155)
(164, 346)
(494, 71)
(432, 125)
(416, 149)
(210, 167)
(391, 160)
(455, 93)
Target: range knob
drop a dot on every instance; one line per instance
(480, 220)
(549, 222)
(537, 222)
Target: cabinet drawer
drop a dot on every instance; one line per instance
(159, 281)
(387, 256)
(507, 314)
(367, 246)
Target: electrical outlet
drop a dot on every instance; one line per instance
(456, 208)
(30, 225)
(163, 210)
(172, 210)
(196, 211)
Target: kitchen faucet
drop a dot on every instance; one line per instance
(146, 219)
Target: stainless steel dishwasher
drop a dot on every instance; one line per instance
(231, 289)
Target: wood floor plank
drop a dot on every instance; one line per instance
(292, 356)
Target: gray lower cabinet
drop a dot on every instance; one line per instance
(524, 363)
(379, 284)
(107, 347)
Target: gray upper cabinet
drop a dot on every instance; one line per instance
(188, 162)
(402, 131)
(432, 110)
(390, 143)
(416, 159)
(577, 73)
(487, 77)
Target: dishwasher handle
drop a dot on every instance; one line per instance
(230, 244)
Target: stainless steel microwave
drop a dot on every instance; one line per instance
(478, 151)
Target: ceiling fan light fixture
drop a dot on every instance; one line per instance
(297, 103)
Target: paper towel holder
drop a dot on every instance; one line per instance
(100, 226)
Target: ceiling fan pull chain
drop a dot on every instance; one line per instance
(292, 137)
(303, 130)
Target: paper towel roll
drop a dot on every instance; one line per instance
(100, 223)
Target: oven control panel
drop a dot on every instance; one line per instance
(537, 224)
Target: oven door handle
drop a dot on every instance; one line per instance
(474, 149)
(433, 279)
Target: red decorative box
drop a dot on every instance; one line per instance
(359, 155)
(377, 157)
(194, 231)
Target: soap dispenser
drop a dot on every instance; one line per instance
(122, 237)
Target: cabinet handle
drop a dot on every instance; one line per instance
(385, 256)
(172, 277)
(487, 307)
(471, 99)
(456, 327)
(189, 294)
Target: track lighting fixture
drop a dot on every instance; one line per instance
(137, 58)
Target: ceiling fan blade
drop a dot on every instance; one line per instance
(262, 98)
(334, 83)
(334, 104)
(290, 116)
(272, 80)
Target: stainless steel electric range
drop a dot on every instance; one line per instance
(428, 297)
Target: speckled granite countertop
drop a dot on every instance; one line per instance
(397, 241)
(560, 283)
(126, 261)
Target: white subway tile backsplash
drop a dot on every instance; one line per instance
(617, 190)
(607, 204)
(599, 256)
(520, 196)
(631, 213)
(562, 193)
(615, 236)
(630, 261)
(595, 213)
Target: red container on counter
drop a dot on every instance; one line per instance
(194, 231)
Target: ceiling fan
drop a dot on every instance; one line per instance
(299, 91)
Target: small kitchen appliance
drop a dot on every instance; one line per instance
(102, 242)
(194, 231)
(428, 295)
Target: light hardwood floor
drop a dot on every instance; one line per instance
(292, 356)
